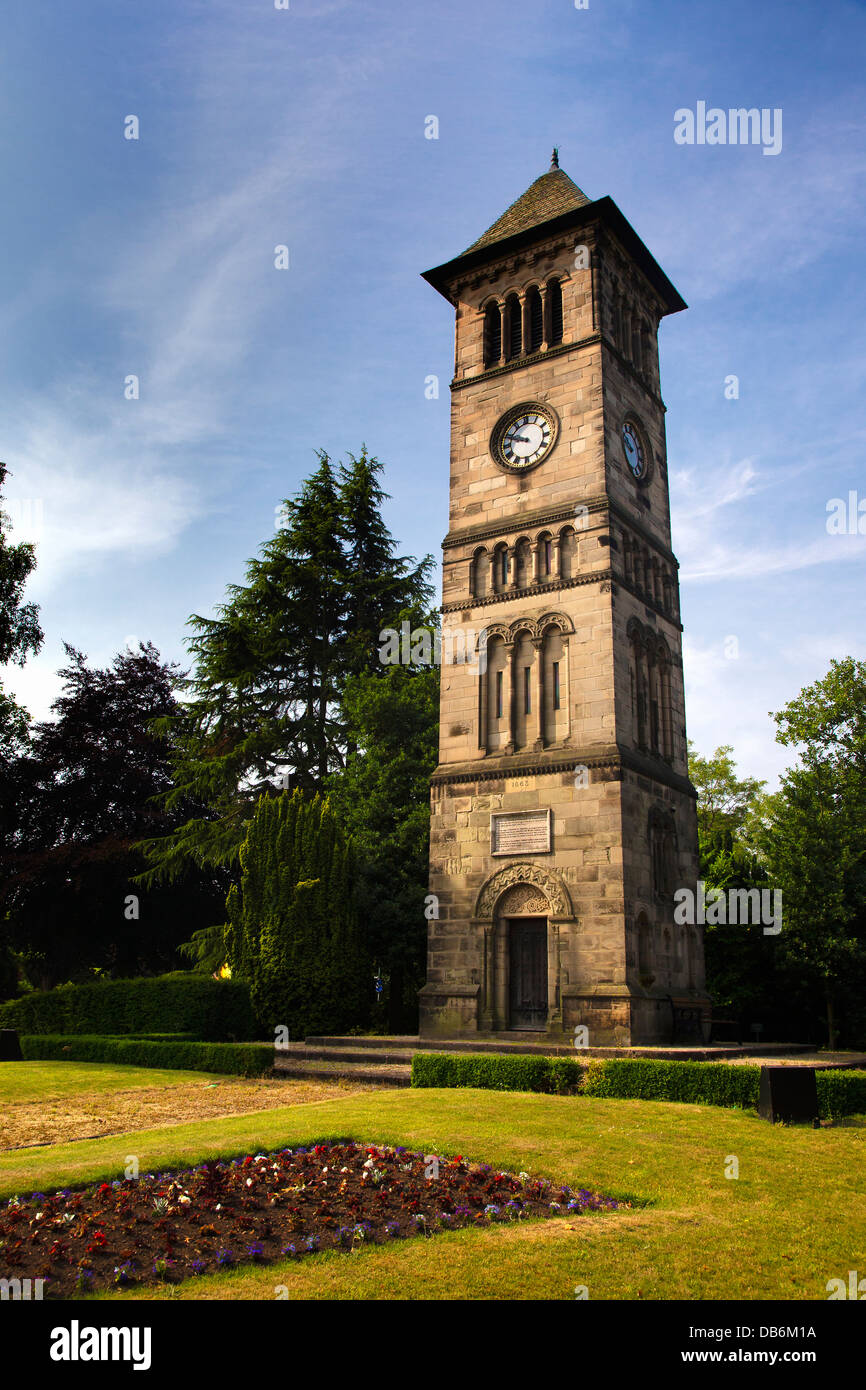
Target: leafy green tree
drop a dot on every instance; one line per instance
(382, 798)
(816, 848)
(85, 789)
(20, 633)
(741, 962)
(20, 636)
(293, 931)
(264, 706)
(725, 804)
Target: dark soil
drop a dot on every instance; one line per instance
(172, 1226)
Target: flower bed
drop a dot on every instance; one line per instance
(341, 1195)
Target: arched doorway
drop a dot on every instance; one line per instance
(527, 974)
(520, 923)
(521, 909)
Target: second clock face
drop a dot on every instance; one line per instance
(634, 450)
(523, 437)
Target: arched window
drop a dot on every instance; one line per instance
(644, 951)
(512, 315)
(640, 693)
(666, 739)
(555, 679)
(497, 722)
(567, 553)
(536, 319)
(480, 574)
(666, 590)
(501, 574)
(523, 563)
(636, 343)
(545, 556)
(492, 335)
(524, 666)
(554, 310)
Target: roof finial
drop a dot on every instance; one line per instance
(554, 160)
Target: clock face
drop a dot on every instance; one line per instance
(634, 450)
(523, 437)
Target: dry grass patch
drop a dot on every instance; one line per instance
(94, 1114)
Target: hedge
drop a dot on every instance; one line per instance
(497, 1072)
(841, 1092)
(236, 1059)
(702, 1083)
(626, 1078)
(179, 1003)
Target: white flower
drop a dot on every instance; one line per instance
(249, 1182)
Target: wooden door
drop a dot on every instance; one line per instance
(528, 973)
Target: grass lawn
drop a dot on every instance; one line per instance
(21, 1082)
(794, 1218)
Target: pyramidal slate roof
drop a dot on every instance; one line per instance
(550, 196)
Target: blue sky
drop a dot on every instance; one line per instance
(306, 127)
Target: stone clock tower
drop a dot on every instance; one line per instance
(563, 818)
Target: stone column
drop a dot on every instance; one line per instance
(487, 999)
(545, 318)
(556, 558)
(554, 977)
(512, 567)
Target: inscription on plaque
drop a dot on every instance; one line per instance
(520, 832)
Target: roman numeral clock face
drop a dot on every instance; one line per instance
(523, 437)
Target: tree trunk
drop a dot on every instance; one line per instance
(831, 1022)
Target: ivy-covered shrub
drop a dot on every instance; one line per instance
(234, 1059)
(177, 1003)
(293, 932)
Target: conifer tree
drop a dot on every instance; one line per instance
(265, 703)
(293, 930)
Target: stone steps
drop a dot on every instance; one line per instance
(387, 1061)
(368, 1074)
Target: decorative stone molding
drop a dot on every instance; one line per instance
(514, 875)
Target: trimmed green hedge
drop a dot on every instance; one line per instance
(841, 1092)
(625, 1078)
(497, 1072)
(702, 1083)
(177, 1003)
(236, 1059)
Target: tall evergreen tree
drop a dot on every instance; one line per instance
(265, 701)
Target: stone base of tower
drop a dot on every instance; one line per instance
(613, 1015)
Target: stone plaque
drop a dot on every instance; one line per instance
(520, 832)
